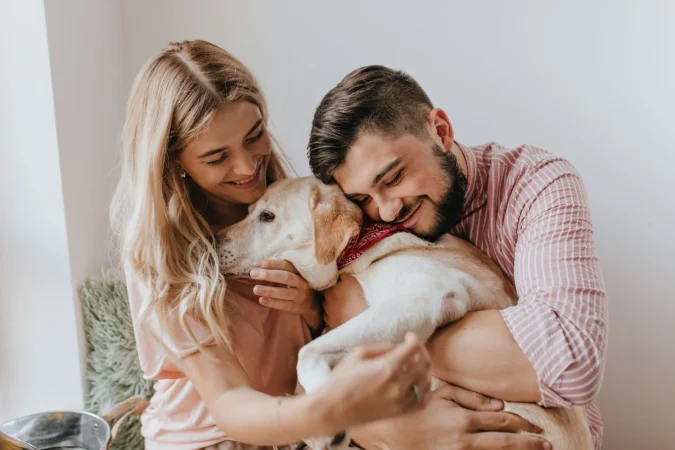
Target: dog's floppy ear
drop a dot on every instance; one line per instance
(335, 221)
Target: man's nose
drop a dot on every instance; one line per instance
(389, 209)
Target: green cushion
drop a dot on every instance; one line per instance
(113, 369)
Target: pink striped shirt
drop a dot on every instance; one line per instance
(527, 209)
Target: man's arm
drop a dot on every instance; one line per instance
(560, 323)
(550, 348)
(477, 353)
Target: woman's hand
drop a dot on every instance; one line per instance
(377, 382)
(454, 419)
(343, 301)
(286, 290)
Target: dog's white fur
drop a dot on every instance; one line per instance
(409, 283)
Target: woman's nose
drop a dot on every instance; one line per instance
(244, 164)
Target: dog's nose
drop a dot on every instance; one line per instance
(222, 238)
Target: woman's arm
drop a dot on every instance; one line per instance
(245, 414)
(368, 385)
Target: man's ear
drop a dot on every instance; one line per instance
(335, 221)
(441, 126)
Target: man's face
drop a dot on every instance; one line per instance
(405, 180)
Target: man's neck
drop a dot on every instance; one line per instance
(461, 159)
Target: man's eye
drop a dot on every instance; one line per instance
(267, 216)
(396, 179)
(361, 201)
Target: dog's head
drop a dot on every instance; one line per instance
(300, 220)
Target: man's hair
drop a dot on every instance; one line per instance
(373, 99)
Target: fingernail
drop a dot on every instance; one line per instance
(496, 403)
(255, 273)
(547, 445)
(256, 290)
(263, 301)
(256, 264)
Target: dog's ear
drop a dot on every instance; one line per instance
(335, 221)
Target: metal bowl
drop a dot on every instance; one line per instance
(72, 430)
(56, 430)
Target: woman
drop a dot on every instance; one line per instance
(196, 154)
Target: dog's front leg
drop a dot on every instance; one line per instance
(385, 322)
(388, 321)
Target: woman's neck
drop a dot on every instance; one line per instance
(221, 214)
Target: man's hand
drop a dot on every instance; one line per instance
(343, 301)
(454, 419)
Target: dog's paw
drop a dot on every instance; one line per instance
(338, 442)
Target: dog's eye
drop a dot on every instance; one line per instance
(267, 216)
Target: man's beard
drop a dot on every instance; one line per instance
(449, 208)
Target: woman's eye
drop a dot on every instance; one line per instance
(222, 158)
(267, 216)
(256, 137)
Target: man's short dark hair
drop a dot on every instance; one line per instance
(374, 99)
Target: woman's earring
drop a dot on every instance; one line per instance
(182, 175)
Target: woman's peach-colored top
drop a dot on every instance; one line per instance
(266, 343)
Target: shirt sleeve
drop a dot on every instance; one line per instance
(560, 322)
(153, 341)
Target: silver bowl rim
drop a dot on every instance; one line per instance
(45, 413)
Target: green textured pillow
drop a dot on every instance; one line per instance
(113, 370)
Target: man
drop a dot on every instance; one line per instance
(380, 138)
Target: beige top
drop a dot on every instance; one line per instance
(266, 343)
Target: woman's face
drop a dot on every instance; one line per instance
(229, 159)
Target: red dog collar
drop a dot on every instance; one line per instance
(369, 234)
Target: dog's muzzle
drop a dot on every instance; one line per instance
(225, 254)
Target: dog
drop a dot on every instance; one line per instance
(410, 285)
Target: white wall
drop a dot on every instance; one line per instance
(592, 81)
(62, 110)
(85, 49)
(39, 358)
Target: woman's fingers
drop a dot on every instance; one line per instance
(278, 276)
(279, 293)
(282, 305)
(401, 356)
(275, 265)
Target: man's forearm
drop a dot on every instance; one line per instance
(479, 353)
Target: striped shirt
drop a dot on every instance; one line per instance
(527, 209)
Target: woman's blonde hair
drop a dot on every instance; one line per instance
(162, 236)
